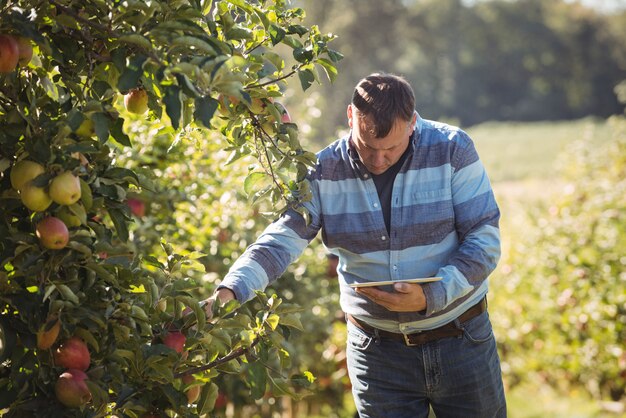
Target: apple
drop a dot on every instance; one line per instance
(65, 188)
(34, 197)
(193, 393)
(68, 217)
(175, 340)
(257, 106)
(24, 171)
(226, 104)
(269, 125)
(72, 354)
(136, 101)
(221, 401)
(71, 389)
(85, 129)
(48, 333)
(137, 207)
(25, 50)
(52, 233)
(9, 53)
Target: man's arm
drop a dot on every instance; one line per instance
(477, 225)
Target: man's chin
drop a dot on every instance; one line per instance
(377, 171)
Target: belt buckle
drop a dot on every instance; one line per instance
(408, 341)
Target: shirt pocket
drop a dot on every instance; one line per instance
(432, 214)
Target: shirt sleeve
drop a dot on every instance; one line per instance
(268, 257)
(477, 225)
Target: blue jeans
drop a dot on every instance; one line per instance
(459, 377)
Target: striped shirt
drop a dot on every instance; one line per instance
(444, 222)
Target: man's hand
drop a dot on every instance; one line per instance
(224, 295)
(408, 297)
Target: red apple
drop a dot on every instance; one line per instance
(24, 171)
(71, 389)
(175, 340)
(52, 233)
(65, 188)
(9, 53)
(221, 401)
(72, 354)
(26, 50)
(193, 393)
(137, 207)
(136, 101)
(48, 333)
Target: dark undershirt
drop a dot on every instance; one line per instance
(384, 187)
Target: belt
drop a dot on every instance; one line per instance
(422, 337)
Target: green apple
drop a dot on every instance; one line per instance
(34, 197)
(52, 233)
(25, 171)
(257, 106)
(9, 53)
(65, 188)
(136, 101)
(68, 217)
(85, 129)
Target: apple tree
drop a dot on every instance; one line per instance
(94, 321)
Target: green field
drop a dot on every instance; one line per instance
(530, 151)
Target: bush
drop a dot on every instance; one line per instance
(562, 301)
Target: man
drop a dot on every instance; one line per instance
(398, 198)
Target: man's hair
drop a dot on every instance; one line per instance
(382, 99)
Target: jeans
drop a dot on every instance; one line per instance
(459, 377)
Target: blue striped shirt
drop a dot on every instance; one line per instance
(444, 222)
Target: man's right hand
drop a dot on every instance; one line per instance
(224, 295)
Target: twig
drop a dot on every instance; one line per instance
(228, 357)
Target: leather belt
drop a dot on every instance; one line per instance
(422, 337)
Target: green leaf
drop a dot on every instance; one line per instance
(173, 105)
(272, 320)
(329, 69)
(239, 32)
(136, 39)
(292, 320)
(117, 132)
(208, 396)
(122, 173)
(120, 223)
(257, 379)
(133, 71)
(334, 55)
(67, 293)
(205, 108)
(306, 78)
(195, 44)
(251, 180)
(101, 126)
(277, 33)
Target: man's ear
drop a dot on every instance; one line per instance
(349, 113)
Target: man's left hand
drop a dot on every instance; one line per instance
(408, 297)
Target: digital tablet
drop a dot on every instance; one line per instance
(388, 282)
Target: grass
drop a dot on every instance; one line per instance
(524, 151)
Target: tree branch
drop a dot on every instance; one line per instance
(228, 357)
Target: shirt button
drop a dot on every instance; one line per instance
(366, 176)
(395, 267)
(375, 205)
(383, 237)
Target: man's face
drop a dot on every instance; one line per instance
(378, 154)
